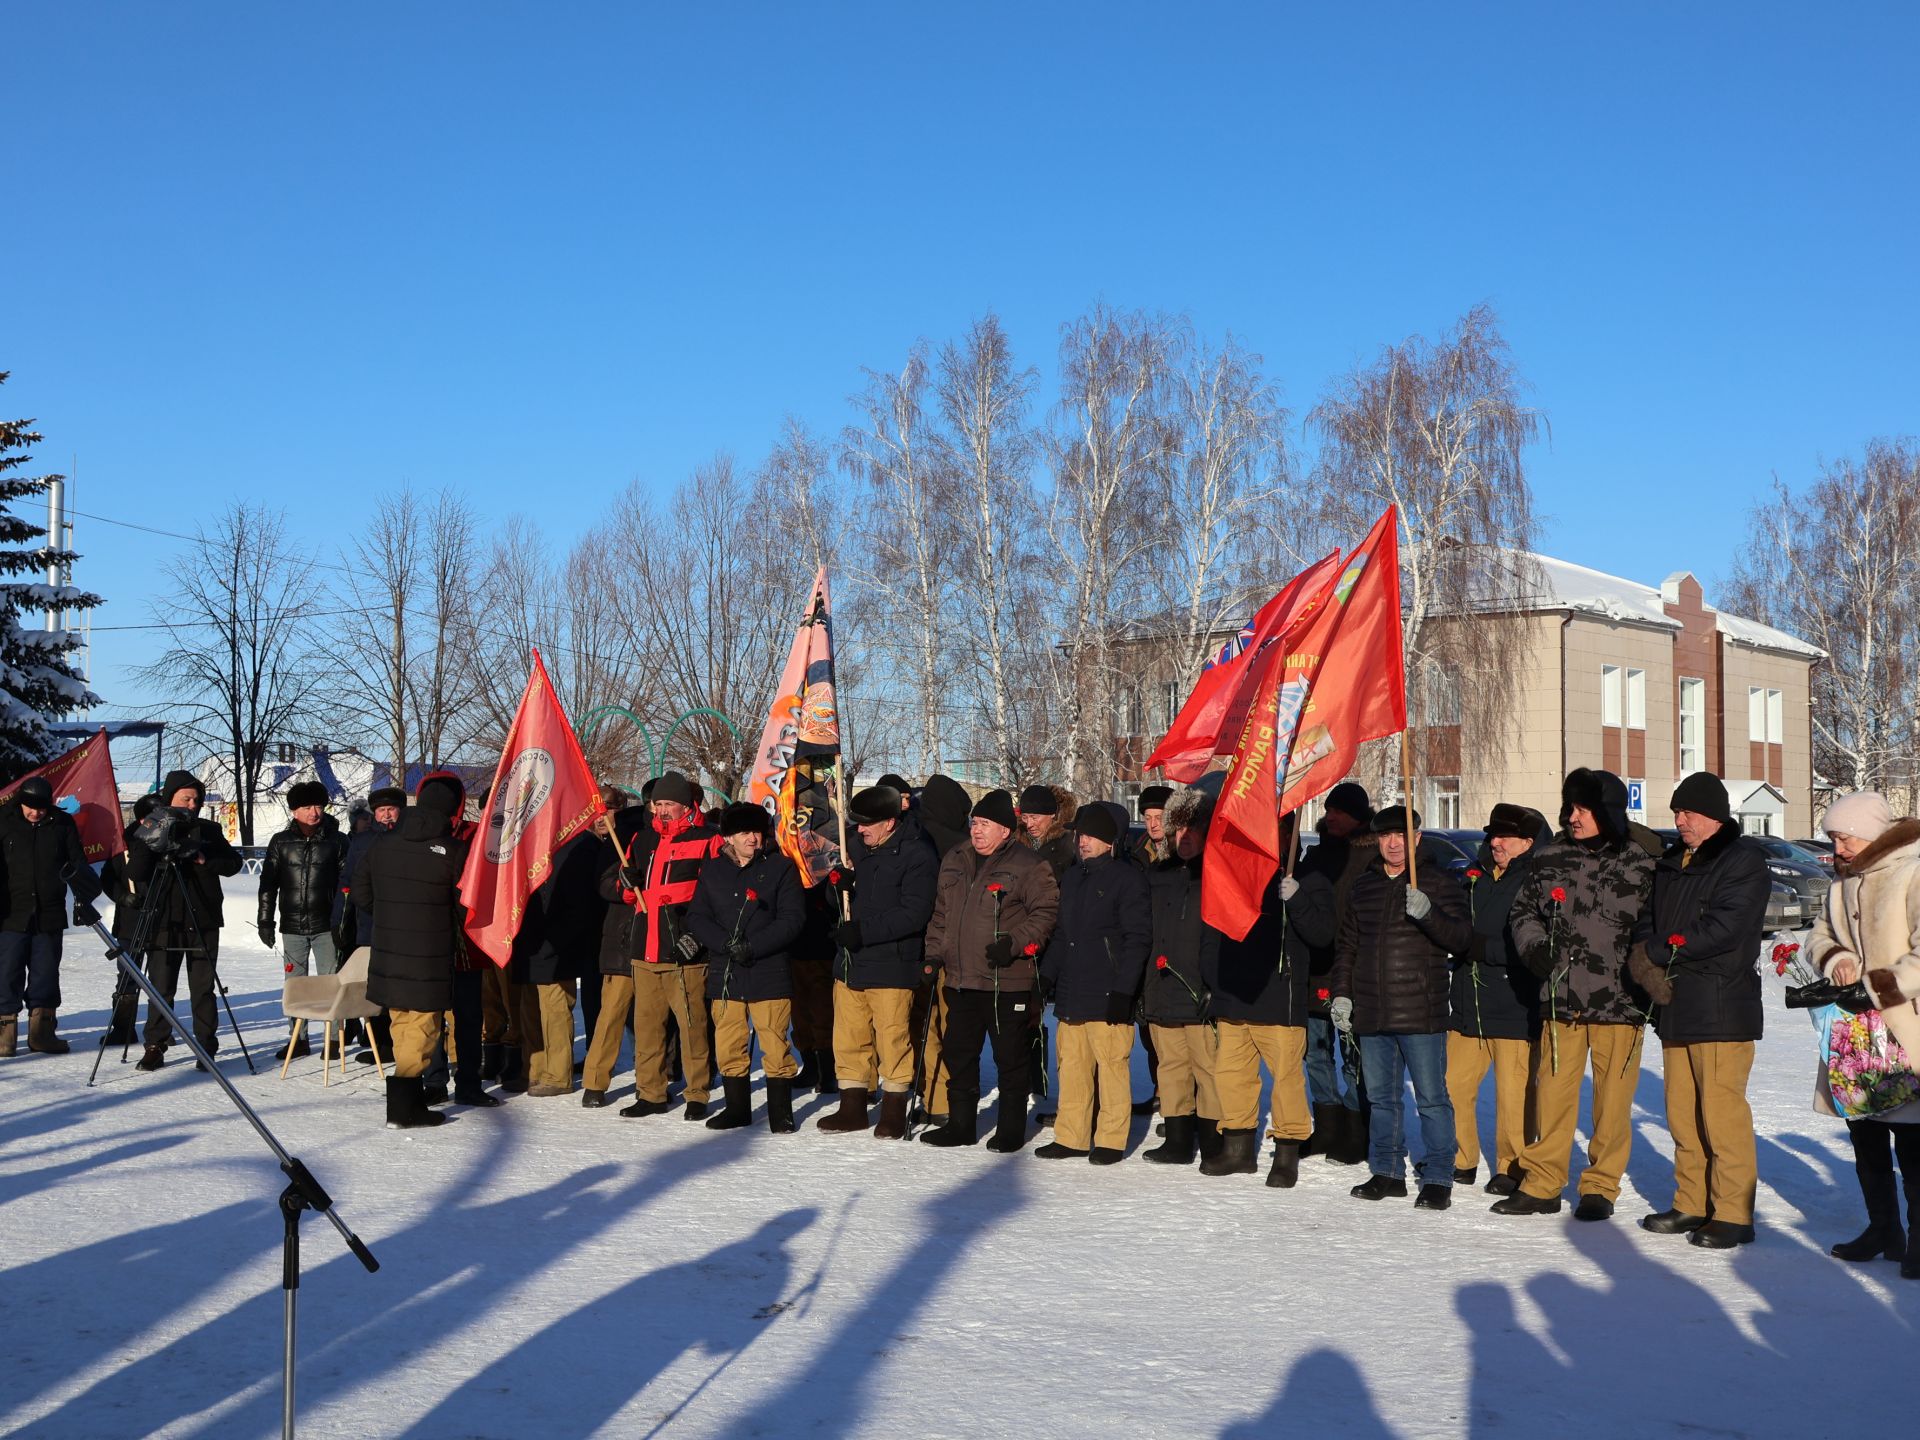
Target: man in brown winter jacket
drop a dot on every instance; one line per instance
(994, 908)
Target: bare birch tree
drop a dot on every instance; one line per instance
(1839, 566)
(1438, 429)
(239, 672)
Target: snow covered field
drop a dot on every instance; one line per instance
(548, 1270)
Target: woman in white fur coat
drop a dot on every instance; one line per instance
(1870, 933)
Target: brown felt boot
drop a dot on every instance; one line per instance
(40, 1036)
(9, 1035)
(852, 1114)
(892, 1124)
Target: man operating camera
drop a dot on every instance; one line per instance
(183, 923)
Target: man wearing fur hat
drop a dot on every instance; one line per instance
(1573, 926)
(1496, 1005)
(1046, 825)
(653, 889)
(186, 930)
(43, 856)
(1174, 998)
(1346, 846)
(995, 902)
(879, 960)
(747, 910)
(301, 877)
(1091, 971)
(1696, 953)
(1157, 848)
(1389, 983)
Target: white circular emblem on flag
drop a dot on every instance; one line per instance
(519, 796)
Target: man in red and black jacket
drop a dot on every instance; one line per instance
(655, 884)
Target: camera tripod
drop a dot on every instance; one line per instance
(166, 882)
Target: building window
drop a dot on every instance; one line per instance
(1610, 694)
(1444, 804)
(1766, 716)
(1776, 718)
(1636, 699)
(1170, 705)
(1693, 726)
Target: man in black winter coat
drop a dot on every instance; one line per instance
(186, 929)
(1174, 1002)
(559, 935)
(1697, 955)
(1390, 980)
(1496, 1005)
(301, 876)
(1092, 970)
(747, 911)
(409, 882)
(42, 854)
(1339, 1126)
(880, 961)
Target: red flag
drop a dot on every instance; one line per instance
(543, 795)
(1218, 704)
(801, 742)
(83, 786)
(1335, 682)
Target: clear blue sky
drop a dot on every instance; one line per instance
(311, 253)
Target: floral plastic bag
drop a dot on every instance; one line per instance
(1867, 1071)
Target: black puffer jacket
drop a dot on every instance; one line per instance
(1176, 993)
(302, 872)
(409, 881)
(1394, 968)
(768, 923)
(1097, 955)
(559, 935)
(40, 862)
(1339, 863)
(1494, 995)
(893, 892)
(1266, 979)
(199, 893)
(353, 926)
(1719, 903)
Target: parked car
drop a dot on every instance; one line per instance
(1798, 870)
(1821, 850)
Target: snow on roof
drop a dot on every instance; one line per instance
(1562, 585)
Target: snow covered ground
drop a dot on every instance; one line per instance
(547, 1270)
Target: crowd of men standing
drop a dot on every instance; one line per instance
(954, 924)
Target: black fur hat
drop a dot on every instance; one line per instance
(387, 795)
(741, 818)
(1392, 820)
(874, 805)
(1518, 821)
(1155, 797)
(1603, 795)
(307, 792)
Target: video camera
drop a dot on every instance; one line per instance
(169, 832)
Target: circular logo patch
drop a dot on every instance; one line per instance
(520, 795)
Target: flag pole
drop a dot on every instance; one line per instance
(1406, 807)
(840, 810)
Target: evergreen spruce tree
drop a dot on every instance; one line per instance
(37, 680)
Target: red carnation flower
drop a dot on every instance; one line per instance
(1159, 962)
(1559, 895)
(1677, 941)
(995, 889)
(752, 896)
(1031, 949)
(833, 876)
(1473, 872)
(1323, 993)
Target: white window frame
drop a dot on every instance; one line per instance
(1636, 699)
(1693, 715)
(1610, 694)
(1776, 718)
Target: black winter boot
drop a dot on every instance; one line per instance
(1206, 1137)
(1285, 1173)
(472, 1094)
(1010, 1128)
(826, 1082)
(406, 1108)
(963, 1123)
(1873, 1167)
(1235, 1156)
(513, 1074)
(493, 1060)
(1380, 1187)
(297, 1044)
(779, 1106)
(739, 1107)
(1177, 1149)
(851, 1116)
(1350, 1138)
(1054, 1150)
(809, 1074)
(1324, 1123)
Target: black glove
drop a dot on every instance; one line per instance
(84, 913)
(1000, 952)
(687, 948)
(846, 935)
(741, 953)
(1043, 990)
(1855, 997)
(1119, 1009)
(266, 933)
(1814, 996)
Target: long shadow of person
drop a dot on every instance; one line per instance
(1324, 1392)
(1515, 1379)
(611, 1351)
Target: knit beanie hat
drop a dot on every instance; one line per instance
(1039, 800)
(1865, 815)
(1704, 794)
(997, 806)
(1097, 821)
(1350, 799)
(674, 786)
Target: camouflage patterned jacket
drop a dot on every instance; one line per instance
(1578, 947)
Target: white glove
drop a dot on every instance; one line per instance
(1418, 905)
(1289, 887)
(1341, 1013)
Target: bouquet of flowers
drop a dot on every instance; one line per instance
(1867, 1071)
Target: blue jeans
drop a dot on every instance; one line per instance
(29, 967)
(1323, 1066)
(1386, 1061)
(315, 949)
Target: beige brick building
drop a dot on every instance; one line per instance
(1646, 681)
